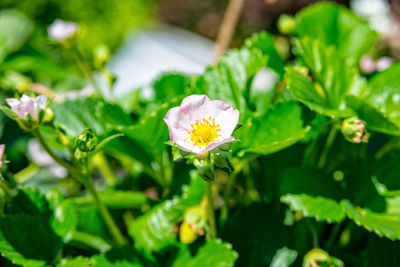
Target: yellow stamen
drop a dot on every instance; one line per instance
(204, 132)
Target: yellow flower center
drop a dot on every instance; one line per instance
(204, 132)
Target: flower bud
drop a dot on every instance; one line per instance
(354, 130)
(206, 173)
(286, 24)
(222, 161)
(64, 32)
(87, 140)
(48, 116)
(101, 55)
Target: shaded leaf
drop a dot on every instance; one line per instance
(265, 43)
(212, 253)
(153, 230)
(279, 127)
(338, 26)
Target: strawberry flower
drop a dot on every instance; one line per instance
(27, 105)
(61, 30)
(199, 124)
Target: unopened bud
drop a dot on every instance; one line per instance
(48, 116)
(206, 173)
(101, 55)
(354, 130)
(286, 24)
(87, 140)
(222, 161)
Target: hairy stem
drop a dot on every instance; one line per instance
(87, 71)
(57, 159)
(227, 27)
(105, 214)
(328, 145)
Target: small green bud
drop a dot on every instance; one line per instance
(80, 155)
(354, 130)
(222, 161)
(206, 173)
(87, 140)
(286, 24)
(101, 55)
(48, 116)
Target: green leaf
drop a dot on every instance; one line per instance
(28, 240)
(375, 119)
(338, 26)
(121, 257)
(260, 225)
(153, 230)
(77, 115)
(279, 127)
(144, 142)
(284, 257)
(379, 102)
(15, 28)
(230, 80)
(383, 224)
(170, 85)
(116, 199)
(264, 42)
(333, 78)
(75, 262)
(213, 253)
(320, 208)
(312, 193)
(64, 219)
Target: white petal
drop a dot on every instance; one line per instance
(41, 101)
(213, 145)
(178, 121)
(196, 104)
(12, 102)
(224, 115)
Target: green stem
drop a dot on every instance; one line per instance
(86, 70)
(57, 159)
(332, 237)
(90, 241)
(210, 210)
(387, 147)
(227, 195)
(112, 227)
(100, 161)
(116, 234)
(313, 233)
(328, 145)
(6, 189)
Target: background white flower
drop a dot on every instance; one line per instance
(27, 105)
(199, 124)
(2, 148)
(61, 30)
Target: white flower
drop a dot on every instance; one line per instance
(199, 124)
(27, 105)
(61, 30)
(2, 148)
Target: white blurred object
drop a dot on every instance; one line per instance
(377, 12)
(383, 63)
(61, 30)
(37, 154)
(148, 54)
(367, 64)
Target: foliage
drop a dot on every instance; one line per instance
(291, 190)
